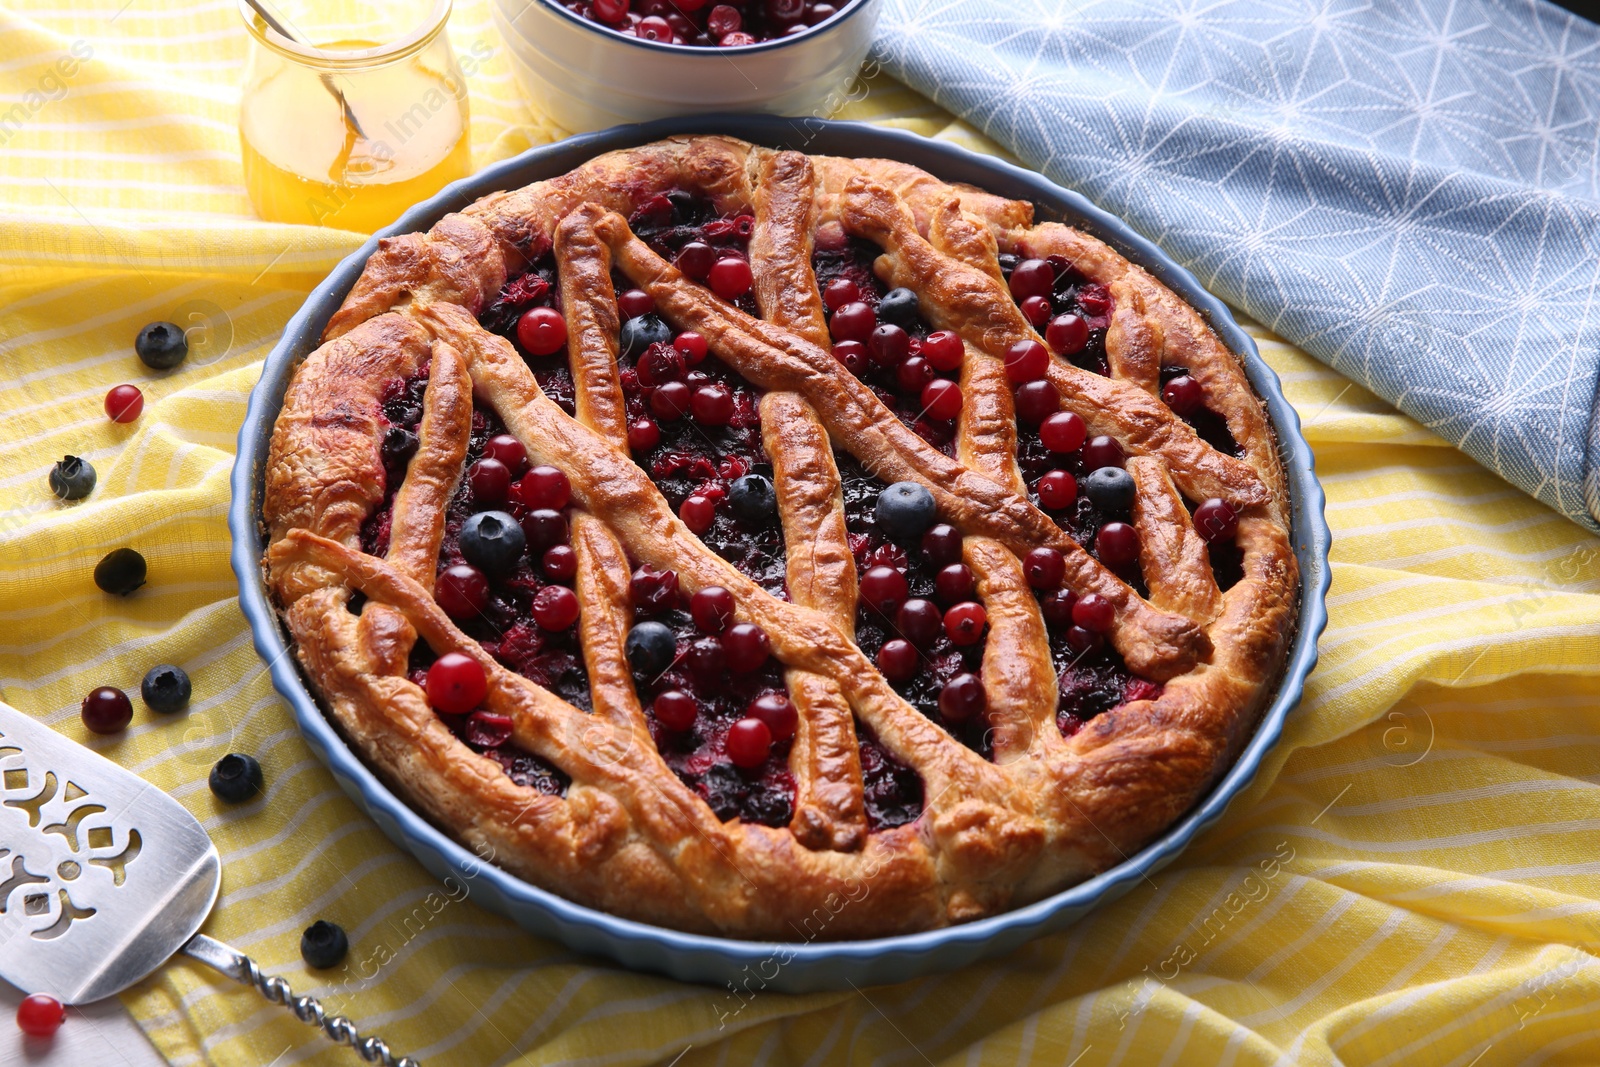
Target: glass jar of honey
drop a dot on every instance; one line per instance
(352, 111)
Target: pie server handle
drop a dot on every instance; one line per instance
(309, 1010)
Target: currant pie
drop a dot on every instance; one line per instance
(719, 533)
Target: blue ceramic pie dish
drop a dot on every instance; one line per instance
(796, 967)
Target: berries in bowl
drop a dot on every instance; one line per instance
(589, 64)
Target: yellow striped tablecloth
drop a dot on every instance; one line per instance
(1412, 879)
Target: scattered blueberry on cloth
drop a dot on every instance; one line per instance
(1409, 191)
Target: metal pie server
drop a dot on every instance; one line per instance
(103, 877)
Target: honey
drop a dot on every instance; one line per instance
(305, 157)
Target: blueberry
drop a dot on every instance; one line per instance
(1008, 263)
(161, 345)
(898, 306)
(753, 498)
(651, 648)
(492, 541)
(236, 778)
(120, 572)
(905, 511)
(72, 478)
(640, 333)
(323, 945)
(166, 689)
(1110, 489)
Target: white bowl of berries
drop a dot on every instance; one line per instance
(590, 64)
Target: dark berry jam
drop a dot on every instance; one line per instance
(1071, 293)
(892, 791)
(939, 660)
(698, 755)
(667, 222)
(1092, 684)
(705, 24)
(534, 288)
(899, 378)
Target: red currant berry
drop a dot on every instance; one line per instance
(660, 364)
(674, 709)
(853, 322)
(913, 375)
(920, 622)
(724, 20)
(1083, 640)
(40, 1015)
(507, 450)
(1057, 490)
(1117, 544)
(1036, 309)
(1044, 568)
(560, 563)
(543, 487)
(962, 698)
(462, 591)
(749, 743)
(612, 11)
(635, 302)
(692, 347)
(654, 591)
(839, 292)
(696, 259)
(712, 608)
(888, 555)
(888, 345)
(943, 348)
(671, 402)
(898, 660)
(1063, 432)
(654, 28)
(941, 398)
(964, 623)
(1102, 451)
(1057, 607)
(1036, 401)
(1184, 395)
(1216, 520)
(1032, 277)
(712, 405)
(778, 712)
(1067, 334)
(555, 608)
(698, 513)
(943, 545)
(544, 528)
(730, 277)
(707, 659)
(456, 683)
(748, 647)
(1026, 361)
(542, 331)
(1093, 612)
(491, 481)
(123, 403)
(107, 710)
(853, 354)
(953, 583)
(884, 589)
(643, 435)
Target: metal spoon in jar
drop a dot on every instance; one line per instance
(327, 79)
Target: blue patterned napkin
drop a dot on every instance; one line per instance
(1410, 191)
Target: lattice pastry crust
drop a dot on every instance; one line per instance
(1041, 811)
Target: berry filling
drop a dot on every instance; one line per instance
(1069, 310)
(718, 710)
(705, 23)
(1186, 397)
(891, 790)
(695, 427)
(517, 609)
(527, 312)
(708, 248)
(1090, 676)
(918, 616)
(881, 337)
